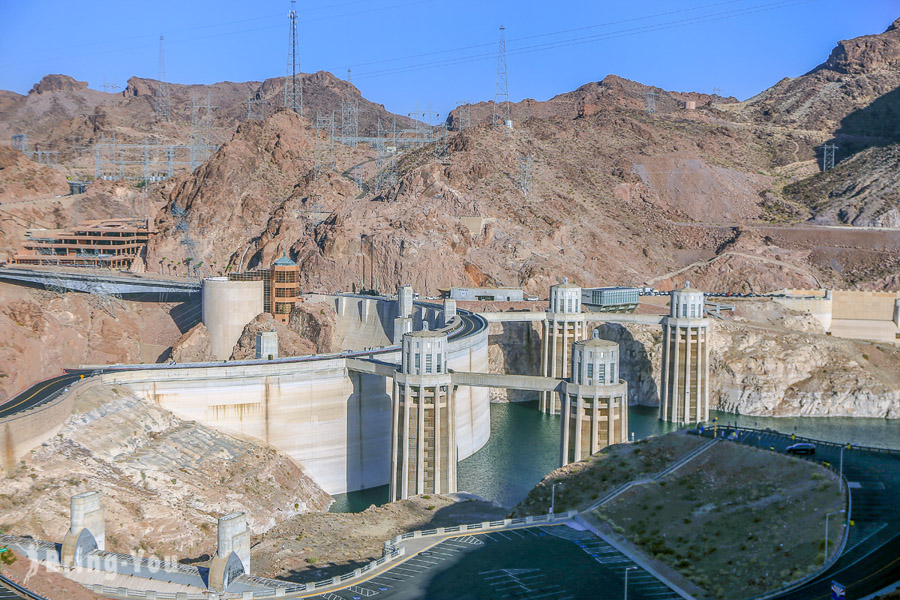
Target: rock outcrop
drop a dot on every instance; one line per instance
(290, 343)
(193, 346)
(514, 348)
(22, 179)
(757, 371)
(315, 322)
(164, 481)
(43, 334)
(57, 83)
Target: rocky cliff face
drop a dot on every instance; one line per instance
(757, 371)
(640, 362)
(514, 348)
(863, 190)
(767, 360)
(22, 179)
(42, 333)
(164, 481)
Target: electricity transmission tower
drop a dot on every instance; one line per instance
(828, 154)
(464, 114)
(324, 144)
(385, 159)
(293, 82)
(717, 92)
(650, 99)
(112, 87)
(256, 108)
(350, 121)
(524, 179)
(501, 90)
(163, 100)
(424, 128)
(201, 119)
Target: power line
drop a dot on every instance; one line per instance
(590, 39)
(539, 35)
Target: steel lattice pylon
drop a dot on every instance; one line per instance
(502, 115)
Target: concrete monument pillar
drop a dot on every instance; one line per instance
(232, 557)
(87, 529)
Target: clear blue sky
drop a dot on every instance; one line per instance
(740, 46)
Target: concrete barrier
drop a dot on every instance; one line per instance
(22, 432)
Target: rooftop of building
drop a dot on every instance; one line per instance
(427, 333)
(284, 261)
(598, 343)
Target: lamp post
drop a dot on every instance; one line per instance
(626, 580)
(842, 459)
(837, 512)
(553, 496)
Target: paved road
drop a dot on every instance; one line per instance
(523, 563)
(871, 559)
(37, 394)
(43, 390)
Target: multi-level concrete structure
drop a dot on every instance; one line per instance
(684, 396)
(595, 402)
(285, 277)
(281, 286)
(108, 243)
(563, 325)
(423, 417)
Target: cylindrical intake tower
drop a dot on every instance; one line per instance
(685, 359)
(423, 419)
(595, 405)
(563, 325)
(227, 307)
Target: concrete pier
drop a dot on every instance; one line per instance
(563, 324)
(423, 419)
(595, 402)
(685, 359)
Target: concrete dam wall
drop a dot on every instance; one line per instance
(334, 421)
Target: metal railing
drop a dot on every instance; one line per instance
(18, 588)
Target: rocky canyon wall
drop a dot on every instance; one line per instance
(766, 361)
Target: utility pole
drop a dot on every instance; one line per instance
(524, 180)
(258, 113)
(650, 98)
(163, 90)
(424, 127)
(201, 118)
(324, 150)
(502, 117)
(293, 82)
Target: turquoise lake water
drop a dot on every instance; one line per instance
(524, 447)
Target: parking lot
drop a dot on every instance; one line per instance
(547, 562)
